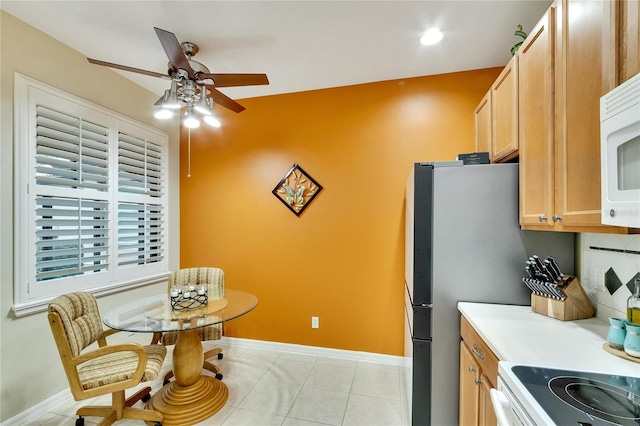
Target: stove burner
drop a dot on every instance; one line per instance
(598, 399)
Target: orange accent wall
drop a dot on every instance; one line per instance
(342, 260)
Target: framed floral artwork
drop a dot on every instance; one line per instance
(297, 189)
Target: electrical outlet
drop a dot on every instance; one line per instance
(597, 279)
(315, 322)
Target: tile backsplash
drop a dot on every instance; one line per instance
(608, 266)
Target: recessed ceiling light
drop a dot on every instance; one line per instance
(431, 36)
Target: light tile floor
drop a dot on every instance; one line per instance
(281, 388)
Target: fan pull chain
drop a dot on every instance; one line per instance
(189, 153)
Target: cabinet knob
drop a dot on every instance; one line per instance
(471, 369)
(556, 218)
(542, 218)
(477, 381)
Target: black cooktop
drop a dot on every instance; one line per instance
(581, 398)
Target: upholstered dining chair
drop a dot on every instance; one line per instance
(213, 278)
(108, 369)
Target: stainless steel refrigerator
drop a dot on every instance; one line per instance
(463, 243)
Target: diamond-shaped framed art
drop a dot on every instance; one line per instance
(297, 189)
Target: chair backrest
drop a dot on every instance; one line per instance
(80, 320)
(213, 277)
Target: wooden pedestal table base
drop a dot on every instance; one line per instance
(192, 397)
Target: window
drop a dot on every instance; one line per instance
(90, 198)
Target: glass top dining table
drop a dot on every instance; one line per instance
(192, 397)
(155, 313)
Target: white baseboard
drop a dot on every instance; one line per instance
(39, 409)
(50, 403)
(314, 351)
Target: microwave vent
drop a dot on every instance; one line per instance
(622, 97)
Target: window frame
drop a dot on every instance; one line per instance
(31, 296)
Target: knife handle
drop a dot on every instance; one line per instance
(550, 271)
(527, 282)
(528, 271)
(555, 266)
(536, 259)
(534, 267)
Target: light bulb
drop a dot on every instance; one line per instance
(432, 36)
(163, 113)
(190, 121)
(212, 120)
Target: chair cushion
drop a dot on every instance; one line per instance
(120, 366)
(80, 318)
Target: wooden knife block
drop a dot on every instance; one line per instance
(577, 305)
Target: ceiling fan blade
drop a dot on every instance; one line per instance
(223, 100)
(230, 80)
(174, 51)
(126, 68)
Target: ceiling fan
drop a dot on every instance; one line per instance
(192, 83)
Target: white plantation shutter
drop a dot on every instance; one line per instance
(91, 197)
(141, 213)
(70, 152)
(140, 234)
(72, 237)
(71, 199)
(139, 166)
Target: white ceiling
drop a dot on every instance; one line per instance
(300, 45)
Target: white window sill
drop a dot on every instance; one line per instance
(29, 308)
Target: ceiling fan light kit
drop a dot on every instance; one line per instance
(192, 85)
(185, 94)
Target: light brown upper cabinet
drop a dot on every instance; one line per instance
(483, 126)
(629, 36)
(566, 64)
(504, 113)
(496, 117)
(536, 117)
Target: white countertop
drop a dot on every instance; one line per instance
(516, 334)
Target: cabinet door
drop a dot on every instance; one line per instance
(469, 389)
(585, 71)
(483, 125)
(629, 39)
(504, 107)
(535, 121)
(487, 415)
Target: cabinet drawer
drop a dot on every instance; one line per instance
(486, 358)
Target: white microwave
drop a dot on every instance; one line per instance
(620, 154)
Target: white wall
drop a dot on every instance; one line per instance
(30, 368)
(595, 261)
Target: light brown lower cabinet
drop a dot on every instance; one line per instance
(469, 390)
(487, 415)
(478, 374)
